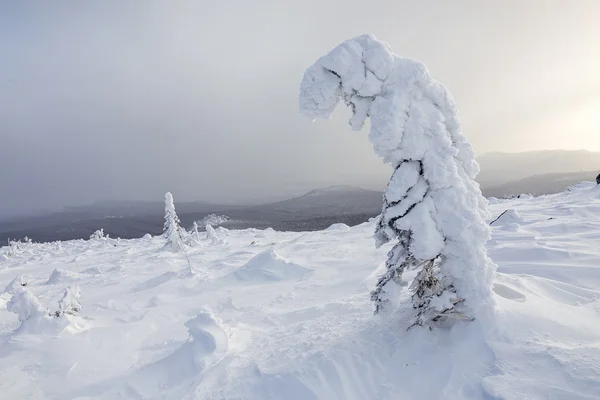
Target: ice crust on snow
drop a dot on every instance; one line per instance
(432, 194)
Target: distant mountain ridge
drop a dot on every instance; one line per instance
(539, 184)
(502, 175)
(314, 210)
(500, 168)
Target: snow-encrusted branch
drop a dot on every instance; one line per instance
(432, 205)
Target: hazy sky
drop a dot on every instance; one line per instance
(126, 100)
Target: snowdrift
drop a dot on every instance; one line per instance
(269, 266)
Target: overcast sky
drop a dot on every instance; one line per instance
(126, 100)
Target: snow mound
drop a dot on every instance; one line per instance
(181, 372)
(62, 276)
(270, 266)
(338, 227)
(508, 217)
(208, 337)
(16, 284)
(92, 271)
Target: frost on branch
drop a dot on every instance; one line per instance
(432, 208)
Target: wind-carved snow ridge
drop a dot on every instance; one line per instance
(432, 205)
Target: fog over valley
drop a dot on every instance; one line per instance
(125, 101)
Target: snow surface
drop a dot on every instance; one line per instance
(299, 325)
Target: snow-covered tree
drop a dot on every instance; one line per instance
(172, 229)
(212, 235)
(432, 207)
(98, 235)
(195, 233)
(69, 303)
(26, 305)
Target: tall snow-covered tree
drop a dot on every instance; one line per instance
(172, 228)
(432, 207)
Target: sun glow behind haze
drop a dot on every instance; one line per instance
(575, 127)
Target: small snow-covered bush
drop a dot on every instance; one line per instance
(35, 317)
(194, 236)
(14, 247)
(98, 235)
(26, 305)
(69, 304)
(432, 208)
(212, 235)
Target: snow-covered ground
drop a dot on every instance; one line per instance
(277, 315)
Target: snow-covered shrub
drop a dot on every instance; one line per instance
(26, 305)
(35, 318)
(98, 235)
(212, 235)
(172, 229)
(194, 236)
(432, 208)
(69, 303)
(15, 247)
(213, 220)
